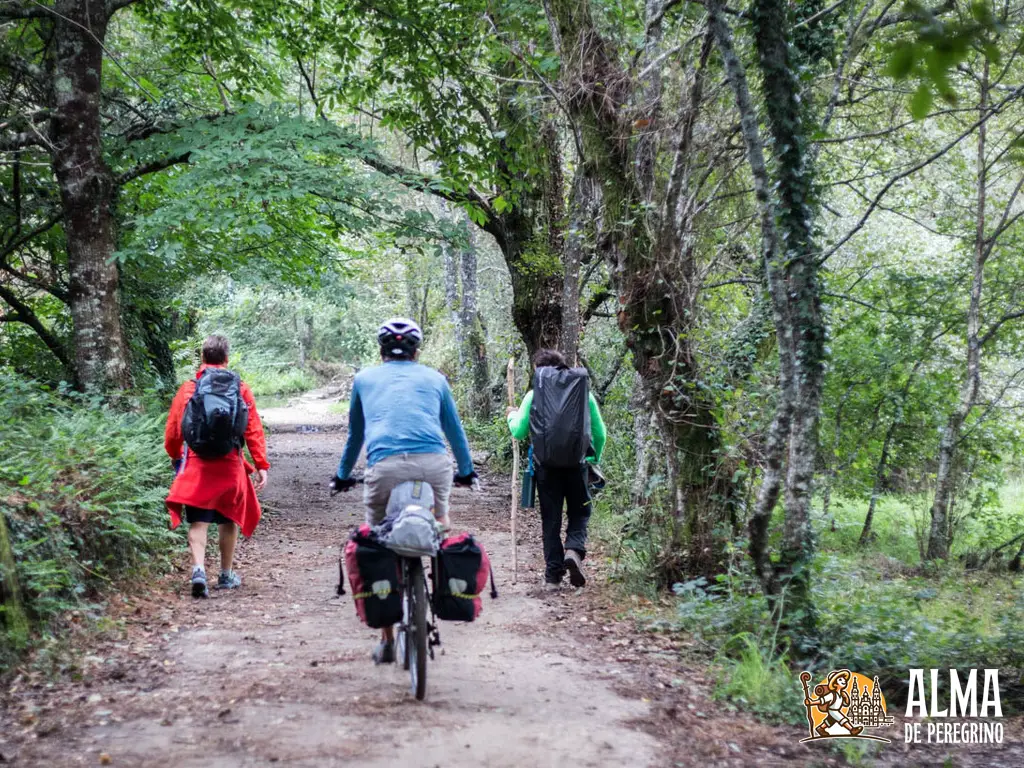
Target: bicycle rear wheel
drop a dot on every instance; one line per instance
(417, 639)
(405, 642)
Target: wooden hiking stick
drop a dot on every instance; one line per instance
(515, 470)
(805, 678)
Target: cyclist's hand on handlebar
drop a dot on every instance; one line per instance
(472, 480)
(338, 485)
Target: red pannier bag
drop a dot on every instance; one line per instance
(373, 576)
(460, 576)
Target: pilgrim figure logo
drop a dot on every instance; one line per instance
(845, 705)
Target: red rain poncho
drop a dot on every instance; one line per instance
(222, 483)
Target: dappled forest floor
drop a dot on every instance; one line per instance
(279, 672)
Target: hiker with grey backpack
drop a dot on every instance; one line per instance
(564, 424)
(212, 418)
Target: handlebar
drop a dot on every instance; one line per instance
(473, 486)
(359, 481)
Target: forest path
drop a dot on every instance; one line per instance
(279, 671)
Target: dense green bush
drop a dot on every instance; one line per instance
(81, 503)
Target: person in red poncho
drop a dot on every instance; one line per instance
(215, 490)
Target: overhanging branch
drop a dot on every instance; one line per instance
(160, 164)
(429, 184)
(23, 313)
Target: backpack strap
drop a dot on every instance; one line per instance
(494, 588)
(341, 576)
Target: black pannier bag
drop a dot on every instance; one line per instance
(373, 576)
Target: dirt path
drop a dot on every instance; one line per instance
(278, 673)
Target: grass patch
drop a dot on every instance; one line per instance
(266, 382)
(758, 680)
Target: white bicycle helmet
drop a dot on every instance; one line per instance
(399, 337)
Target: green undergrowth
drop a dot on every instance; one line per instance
(879, 611)
(81, 505)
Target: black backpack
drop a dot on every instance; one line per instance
(560, 416)
(216, 415)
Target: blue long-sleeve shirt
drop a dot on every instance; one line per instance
(402, 407)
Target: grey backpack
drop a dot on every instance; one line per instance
(409, 528)
(216, 415)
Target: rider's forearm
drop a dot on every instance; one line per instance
(350, 455)
(456, 434)
(354, 444)
(460, 447)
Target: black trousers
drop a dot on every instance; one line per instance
(557, 488)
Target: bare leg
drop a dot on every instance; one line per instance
(227, 537)
(197, 543)
(388, 634)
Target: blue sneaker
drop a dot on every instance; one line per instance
(228, 580)
(199, 583)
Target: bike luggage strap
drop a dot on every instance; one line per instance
(341, 577)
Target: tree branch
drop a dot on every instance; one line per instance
(143, 169)
(16, 142)
(1005, 221)
(915, 168)
(139, 132)
(29, 318)
(994, 329)
(14, 245)
(599, 297)
(601, 391)
(310, 86)
(421, 182)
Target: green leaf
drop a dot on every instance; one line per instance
(981, 12)
(902, 61)
(500, 204)
(921, 101)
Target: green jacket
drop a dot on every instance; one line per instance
(519, 425)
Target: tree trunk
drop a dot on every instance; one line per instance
(87, 191)
(451, 298)
(938, 536)
(833, 465)
(879, 482)
(644, 438)
(651, 255)
(473, 347)
(883, 460)
(802, 293)
(792, 282)
(583, 212)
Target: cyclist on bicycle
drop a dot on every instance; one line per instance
(404, 411)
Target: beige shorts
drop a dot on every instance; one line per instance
(435, 469)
